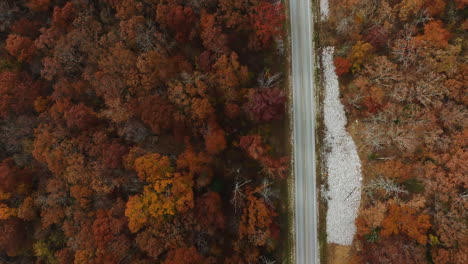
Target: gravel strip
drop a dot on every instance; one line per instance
(342, 162)
(324, 10)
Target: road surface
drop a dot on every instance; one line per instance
(303, 65)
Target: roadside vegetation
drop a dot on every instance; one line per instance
(403, 80)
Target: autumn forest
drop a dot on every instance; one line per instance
(403, 82)
(142, 131)
(159, 131)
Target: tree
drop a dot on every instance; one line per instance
(253, 145)
(461, 3)
(177, 18)
(202, 108)
(26, 27)
(62, 18)
(256, 220)
(84, 257)
(407, 8)
(215, 139)
(154, 111)
(405, 220)
(211, 34)
(65, 256)
(377, 37)
(127, 8)
(8, 175)
(81, 117)
(394, 250)
(167, 194)
(121, 61)
(198, 165)
(274, 167)
(230, 75)
(342, 66)
(22, 48)
(156, 68)
(235, 13)
(27, 210)
(209, 212)
(231, 110)
(436, 7)
(266, 104)
(435, 33)
(17, 93)
(38, 5)
(184, 256)
(137, 214)
(130, 28)
(108, 233)
(7, 212)
(359, 53)
(112, 155)
(13, 236)
(267, 19)
(82, 194)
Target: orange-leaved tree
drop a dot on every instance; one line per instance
(184, 256)
(405, 220)
(167, 192)
(257, 220)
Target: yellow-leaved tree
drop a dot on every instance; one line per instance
(166, 193)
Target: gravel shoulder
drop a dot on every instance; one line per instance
(342, 162)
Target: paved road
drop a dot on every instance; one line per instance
(304, 131)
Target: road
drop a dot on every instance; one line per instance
(303, 65)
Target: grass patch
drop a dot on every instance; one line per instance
(414, 185)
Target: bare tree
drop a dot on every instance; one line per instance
(390, 187)
(237, 193)
(267, 80)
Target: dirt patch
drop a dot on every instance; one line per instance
(338, 254)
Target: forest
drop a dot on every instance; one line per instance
(152, 131)
(403, 80)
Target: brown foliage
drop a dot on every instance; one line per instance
(17, 93)
(209, 212)
(215, 139)
(177, 18)
(38, 5)
(274, 167)
(232, 110)
(62, 18)
(266, 104)
(435, 33)
(395, 250)
(198, 165)
(82, 194)
(342, 66)
(108, 233)
(267, 19)
(256, 221)
(22, 48)
(12, 238)
(230, 76)
(406, 221)
(27, 209)
(97, 80)
(127, 8)
(155, 112)
(435, 7)
(211, 34)
(81, 117)
(184, 256)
